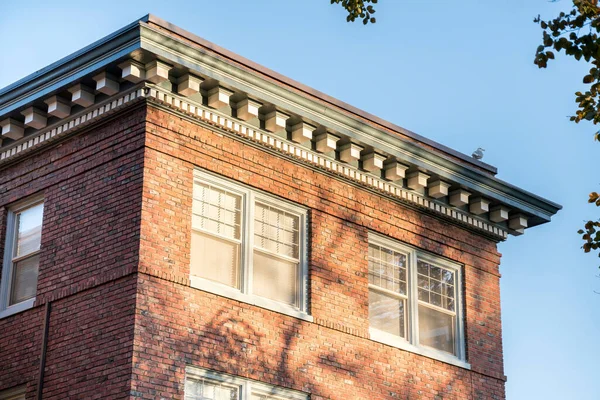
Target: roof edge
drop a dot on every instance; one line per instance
(316, 93)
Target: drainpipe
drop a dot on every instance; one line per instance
(40, 386)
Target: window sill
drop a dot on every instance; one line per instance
(17, 308)
(395, 341)
(226, 291)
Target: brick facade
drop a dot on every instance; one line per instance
(119, 314)
(125, 322)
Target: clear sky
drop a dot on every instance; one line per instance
(458, 72)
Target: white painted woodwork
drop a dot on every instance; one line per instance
(12, 129)
(518, 222)
(275, 121)
(106, 83)
(499, 213)
(82, 95)
(218, 97)
(417, 180)
(34, 118)
(438, 188)
(372, 162)
(302, 132)
(459, 197)
(350, 152)
(479, 205)
(132, 71)
(157, 71)
(58, 107)
(247, 109)
(394, 171)
(326, 142)
(188, 85)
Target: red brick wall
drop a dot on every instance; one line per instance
(92, 187)
(118, 199)
(332, 357)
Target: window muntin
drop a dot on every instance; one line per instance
(437, 315)
(22, 258)
(216, 234)
(203, 384)
(387, 290)
(249, 242)
(276, 253)
(206, 389)
(413, 299)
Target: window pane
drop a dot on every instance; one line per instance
(215, 258)
(208, 390)
(29, 230)
(387, 269)
(217, 211)
(276, 231)
(387, 313)
(24, 282)
(275, 278)
(436, 329)
(435, 285)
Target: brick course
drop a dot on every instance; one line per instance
(125, 321)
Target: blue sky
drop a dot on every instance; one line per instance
(458, 72)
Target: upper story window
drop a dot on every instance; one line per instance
(21, 257)
(248, 245)
(202, 384)
(16, 393)
(415, 300)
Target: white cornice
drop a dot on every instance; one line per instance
(343, 140)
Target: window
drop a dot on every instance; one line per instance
(22, 257)
(414, 300)
(16, 393)
(248, 245)
(202, 384)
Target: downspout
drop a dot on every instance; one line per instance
(40, 386)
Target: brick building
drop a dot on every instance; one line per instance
(179, 222)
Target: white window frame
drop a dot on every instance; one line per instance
(16, 393)
(249, 198)
(7, 264)
(246, 387)
(411, 343)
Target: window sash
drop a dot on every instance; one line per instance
(250, 199)
(412, 339)
(247, 389)
(10, 301)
